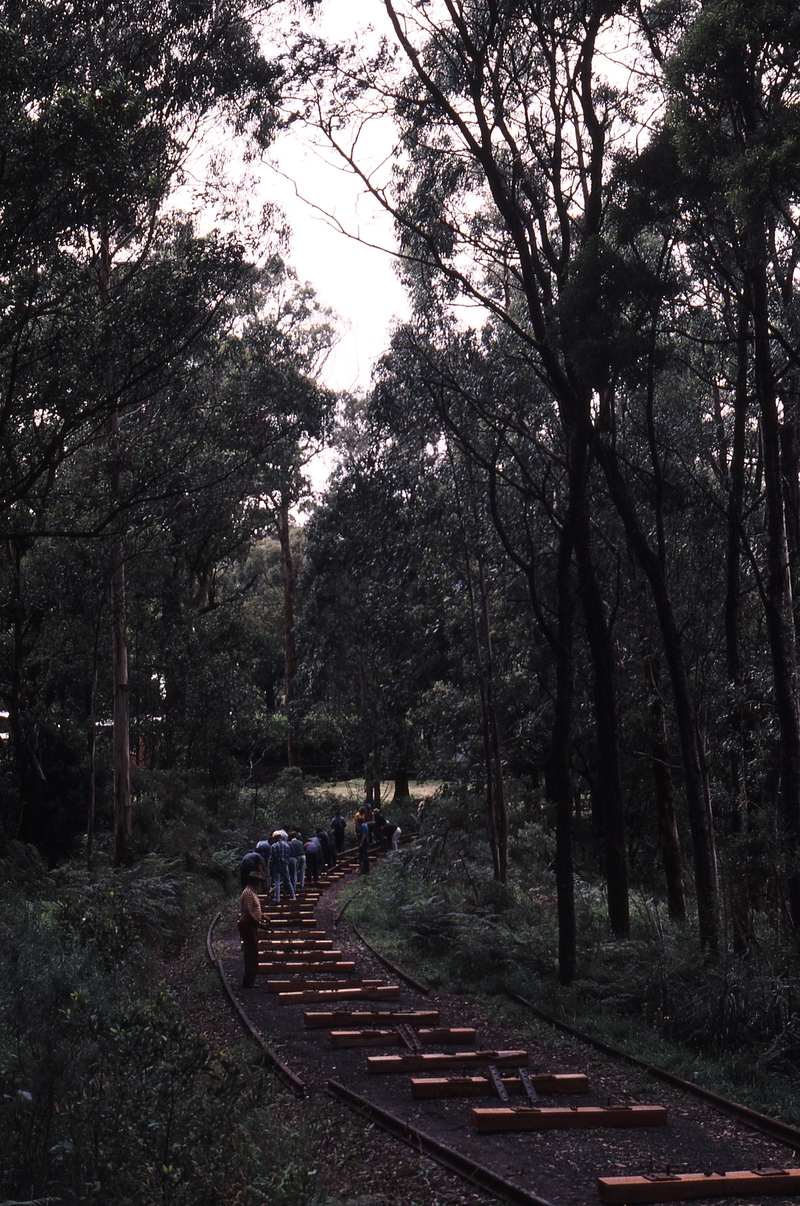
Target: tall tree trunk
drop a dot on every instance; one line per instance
(372, 789)
(790, 474)
(604, 697)
(560, 783)
(123, 817)
(26, 763)
(668, 838)
(738, 719)
(701, 821)
(174, 727)
(496, 792)
(90, 818)
(15, 693)
(123, 820)
(289, 648)
(402, 789)
(496, 803)
(496, 807)
(778, 585)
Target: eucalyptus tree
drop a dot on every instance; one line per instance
(103, 104)
(508, 119)
(279, 353)
(411, 403)
(186, 281)
(726, 160)
(372, 640)
(205, 448)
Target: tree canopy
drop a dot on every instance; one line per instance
(561, 545)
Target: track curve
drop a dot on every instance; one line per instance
(304, 1040)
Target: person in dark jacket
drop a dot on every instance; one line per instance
(337, 828)
(313, 850)
(363, 848)
(328, 851)
(251, 862)
(262, 848)
(299, 854)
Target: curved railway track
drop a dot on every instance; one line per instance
(589, 1128)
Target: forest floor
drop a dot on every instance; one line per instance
(364, 1167)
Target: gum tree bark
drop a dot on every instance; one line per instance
(120, 704)
(701, 821)
(778, 585)
(289, 647)
(604, 698)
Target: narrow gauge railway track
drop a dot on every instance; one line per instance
(535, 1125)
(773, 1127)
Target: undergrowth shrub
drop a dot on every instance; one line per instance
(443, 907)
(731, 1019)
(105, 1094)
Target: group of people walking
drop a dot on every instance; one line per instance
(279, 863)
(285, 862)
(374, 827)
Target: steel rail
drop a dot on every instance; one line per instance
(773, 1127)
(293, 1080)
(209, 944)
(423, 988)
(476, 1174)
(338, 916)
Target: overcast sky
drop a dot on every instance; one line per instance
(351, 277)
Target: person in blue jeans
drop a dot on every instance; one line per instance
(363, 848)
(279, 853)
(313, 858)
(299, 855)
(337, 828)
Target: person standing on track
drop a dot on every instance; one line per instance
(249, 923)
(313, 851)
(279, 853)
(363, 848)
(337, 827)
(327, 848)
(254, 861)
(262, 848)
(296, 844)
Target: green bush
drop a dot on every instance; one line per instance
(104, 1092)
(731, 1019)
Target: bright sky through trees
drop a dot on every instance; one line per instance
(340, 237)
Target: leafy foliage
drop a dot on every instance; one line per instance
(103, 1089)
(733, 1022)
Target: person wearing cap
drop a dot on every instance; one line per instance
(249, 923)
(279, 853)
